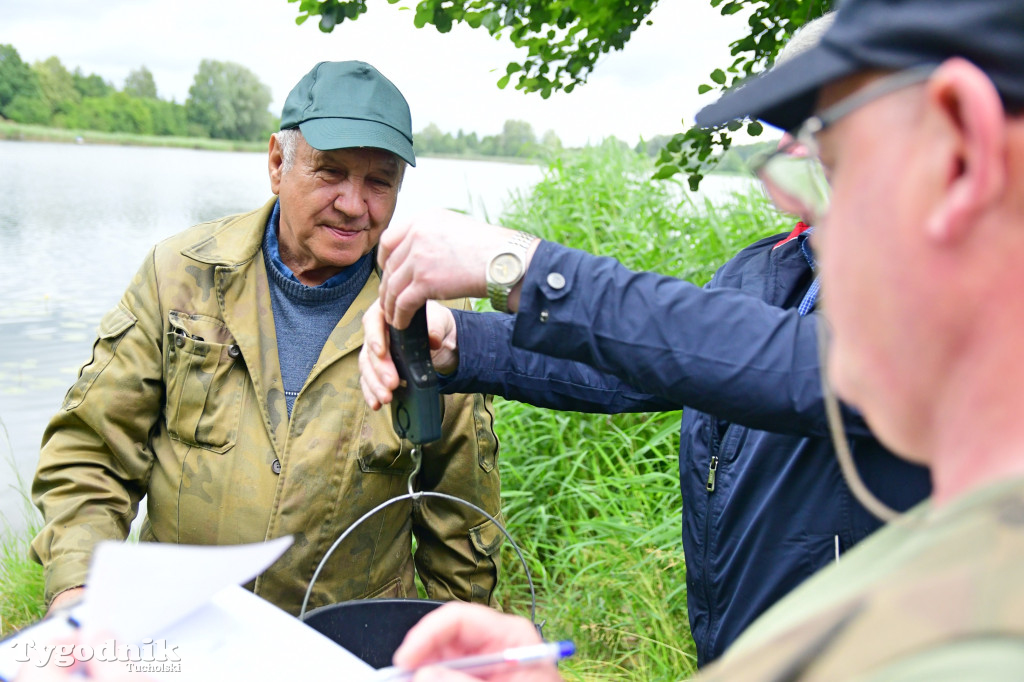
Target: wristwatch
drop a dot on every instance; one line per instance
(506, 268)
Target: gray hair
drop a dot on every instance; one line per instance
(806, 37)
(288, 140)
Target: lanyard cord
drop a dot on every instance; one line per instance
(839, 442)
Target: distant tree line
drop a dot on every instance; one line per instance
(516, 139)
(226, 100)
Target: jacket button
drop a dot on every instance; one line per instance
(179, 340)
(276, 466)
(556, 280)
(234, 351)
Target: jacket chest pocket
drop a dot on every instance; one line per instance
(205, 378)
(381, 451)
(386, 458)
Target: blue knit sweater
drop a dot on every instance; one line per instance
(304, 316)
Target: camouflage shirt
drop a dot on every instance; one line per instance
(182, 402)
(935, 595)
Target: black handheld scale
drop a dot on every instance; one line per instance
(416, 407)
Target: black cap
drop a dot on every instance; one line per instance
(885, 35)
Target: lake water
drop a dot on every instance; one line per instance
(76, 222)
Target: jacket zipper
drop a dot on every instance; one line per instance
(716, 444)
(712, 470)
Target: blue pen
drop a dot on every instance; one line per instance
(523, 655)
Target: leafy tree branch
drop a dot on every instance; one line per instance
(564, 39)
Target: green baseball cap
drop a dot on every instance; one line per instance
(339, 105)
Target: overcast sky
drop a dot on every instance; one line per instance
(648, 88)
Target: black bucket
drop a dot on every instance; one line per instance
(372, 629)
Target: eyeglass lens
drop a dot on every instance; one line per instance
(796, 185)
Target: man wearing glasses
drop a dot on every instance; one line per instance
(921, 243)
(765, 504)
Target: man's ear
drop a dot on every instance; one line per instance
(275, 164)
(973, 114)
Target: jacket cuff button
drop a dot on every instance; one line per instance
(556, 280)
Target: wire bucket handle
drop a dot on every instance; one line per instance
(415, 496)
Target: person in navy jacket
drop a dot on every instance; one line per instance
(764, 502)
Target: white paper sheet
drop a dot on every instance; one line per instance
(238, 636)
(184, 603)
(138, 589)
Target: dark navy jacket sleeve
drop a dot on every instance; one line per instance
(720, 351)
(489, 363)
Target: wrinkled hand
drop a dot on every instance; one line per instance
(377, 374)
(460, 629)
(437, 255)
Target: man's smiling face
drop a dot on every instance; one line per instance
(334, 206)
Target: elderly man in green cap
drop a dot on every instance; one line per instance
(224, 387)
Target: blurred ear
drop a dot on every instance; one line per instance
(972, 114)
(275, 163)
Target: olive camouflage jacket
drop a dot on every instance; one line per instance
(182, 402)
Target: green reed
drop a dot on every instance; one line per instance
(21, 579)
(21, 584)
(593, 500)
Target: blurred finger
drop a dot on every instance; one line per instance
(369, 395)
(377, 378)
(435, 674)
(375, 330)
(462, 629)
(377, 373)
(389, 239)
(397, 271)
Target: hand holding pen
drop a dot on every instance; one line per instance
(502, 661)
(474, 633)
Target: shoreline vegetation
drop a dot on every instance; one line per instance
(592, 500)
(23, 132)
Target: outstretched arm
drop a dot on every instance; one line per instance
(721, 351)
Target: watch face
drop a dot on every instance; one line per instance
(505, 268)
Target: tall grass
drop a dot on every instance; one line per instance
(21, 583)
(21, 579)
(593, 500)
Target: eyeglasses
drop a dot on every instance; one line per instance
(793, 175)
